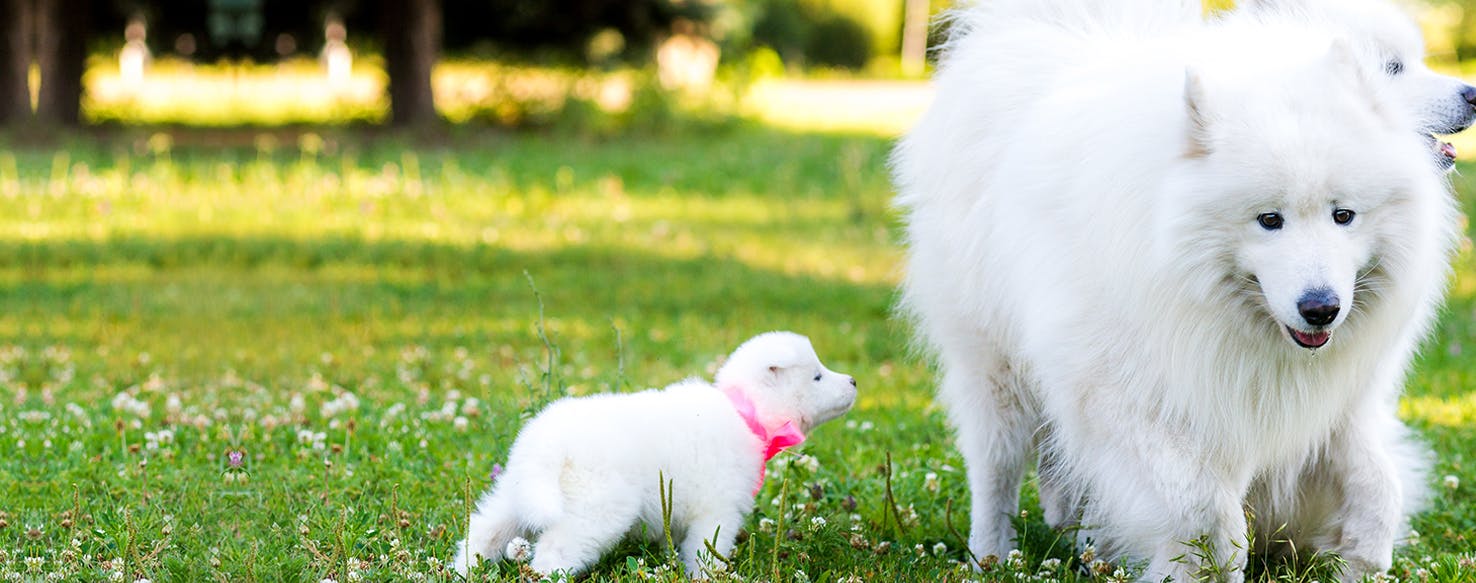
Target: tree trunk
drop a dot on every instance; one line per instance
(914, 37)
(15, 60)
(61, 54)
(412, 41)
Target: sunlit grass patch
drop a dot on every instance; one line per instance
(299, 357)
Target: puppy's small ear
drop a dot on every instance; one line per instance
(1199, 121)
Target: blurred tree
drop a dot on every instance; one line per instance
(915, 36)
(812, 32)
(411, 30)
(563, 29)
(61, 28)
(15, 60)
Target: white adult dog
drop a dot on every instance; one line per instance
(1191, 272)
(587, 471)
(1385, 41)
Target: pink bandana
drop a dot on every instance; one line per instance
(787, 435)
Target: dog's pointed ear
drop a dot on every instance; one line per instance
(1199, 121)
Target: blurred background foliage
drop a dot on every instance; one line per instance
(599, 65)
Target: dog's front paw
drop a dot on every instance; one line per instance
(1357, 570)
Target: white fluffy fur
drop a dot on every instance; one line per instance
(585, 472)
(1385, 41)
(1084, 259)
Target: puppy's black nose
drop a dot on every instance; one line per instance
(1469, 94)
(853, 381)
(1319, 307)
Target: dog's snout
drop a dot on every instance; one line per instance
(1319, 307)
(1469, 94)
(853, 382)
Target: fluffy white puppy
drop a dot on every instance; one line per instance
(587, 471)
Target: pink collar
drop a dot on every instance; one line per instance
(773, 441)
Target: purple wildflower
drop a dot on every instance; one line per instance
(235, 458)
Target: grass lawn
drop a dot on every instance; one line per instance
(298, 359)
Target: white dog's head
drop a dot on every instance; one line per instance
(1307, 184)
(1390, 48)
(780, 372)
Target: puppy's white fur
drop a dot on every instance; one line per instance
(1085, 260)
(586, 471)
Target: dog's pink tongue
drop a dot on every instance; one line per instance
(1448, 149)
(1313, 340)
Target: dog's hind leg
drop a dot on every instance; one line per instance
(492, 525)
(576, 539)
(995, 421)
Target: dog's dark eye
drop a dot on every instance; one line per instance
(1394, 67)
(817, 377)
(1270, 221)
(1343, 216)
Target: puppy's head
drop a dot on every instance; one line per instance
(1390, 49)
(784, 377)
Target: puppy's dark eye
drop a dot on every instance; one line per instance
(1270, 221)
(1343, 216)
(817, 377)
(1394, 67)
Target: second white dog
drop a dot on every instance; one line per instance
(587, 471)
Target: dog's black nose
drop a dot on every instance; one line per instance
(853, 381)
(1469, 94)
(1319, 307)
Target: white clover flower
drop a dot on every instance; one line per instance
(808, 462)
(1451, 482)
(766, 524)
(459, 423)
(128, 404)
(939, 549)
(931, 482)
(1050, 565)
(519, 549)
(817, 523)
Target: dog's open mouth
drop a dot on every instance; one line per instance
(1445, 152)
(1309, 339)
